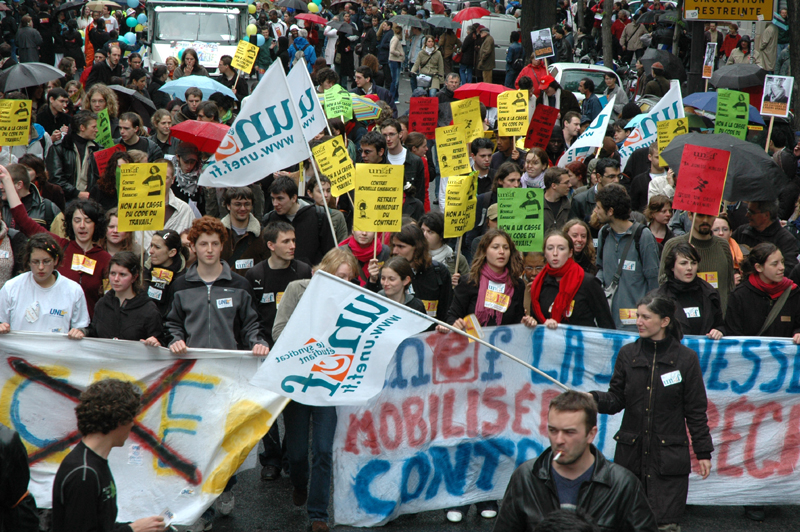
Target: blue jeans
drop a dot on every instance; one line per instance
(394, 67)
(298, 419)
(511, 78)
(466, 74)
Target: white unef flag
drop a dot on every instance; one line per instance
(591, 138)
(306, 102)
(669, 107)
(267, 136)
(337, 344)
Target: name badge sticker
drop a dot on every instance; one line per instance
(154, 293)
(673, 377)
(692, 312)
(225, 303)
(243, 264)
(268, 298)
(629, 265)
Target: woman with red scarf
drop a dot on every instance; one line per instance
(750, 303)
(564, 293)
(362, 245)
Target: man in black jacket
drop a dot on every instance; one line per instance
(414, 169)
(765, 226)
(103, 72)
(573, 474)
(365, 86)
(53, 118)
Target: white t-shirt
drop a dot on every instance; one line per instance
(111, 24)
(26, 306)
(400, 158)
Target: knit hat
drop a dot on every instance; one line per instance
(483, 28)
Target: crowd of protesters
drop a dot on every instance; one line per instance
(615, 254)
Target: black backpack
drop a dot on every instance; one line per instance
(604, 232)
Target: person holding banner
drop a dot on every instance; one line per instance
(659, 384)
(564, 292)
(26, 300)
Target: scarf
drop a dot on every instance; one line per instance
(487, 274)
(429, 50)
(773, 290)
(679, 287)
(532, 182)
(571, 275)
(363, 254)
(442, 254)
(187, 182)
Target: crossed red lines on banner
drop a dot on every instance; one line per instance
(163, 384)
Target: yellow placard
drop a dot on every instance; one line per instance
(451, 148)
(459, 207)
(668, 130)
(142, 196)
(467, 113)
(512, 114)
(379, 197)
(334, 163)
(15, 122)
(245, 56)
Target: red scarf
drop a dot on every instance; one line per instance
(571, 275)
(773, 290)
(488, 274)
(363, 254)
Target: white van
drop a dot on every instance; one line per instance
(500, 28)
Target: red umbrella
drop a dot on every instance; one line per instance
(471, 13)
(437, 7)
(207, 136)
(487, 92)
(314, 19)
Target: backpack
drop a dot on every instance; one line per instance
(518, 63)
(604, 232)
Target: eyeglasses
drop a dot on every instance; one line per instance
(44, 262)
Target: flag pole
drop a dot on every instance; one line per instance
(458, 251)
(327, 210)
(769, 133)
(691, 231)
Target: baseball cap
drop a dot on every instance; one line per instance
(492, 212)
(546, 81)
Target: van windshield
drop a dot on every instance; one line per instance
(210, 27)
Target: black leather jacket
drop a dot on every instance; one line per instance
(17, 507)
(613, 499)
(65, 167)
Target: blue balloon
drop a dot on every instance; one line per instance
(142, 19)
(131, 38)
(131, 22)
(133, 4)
(260, 40)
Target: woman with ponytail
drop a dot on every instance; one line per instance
(765, 303)
(659, 384)
(564, 293)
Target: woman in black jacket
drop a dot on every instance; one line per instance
(697, 304)
(125, 312)
(167, 262)
(751, 301)
(73, 45)
(659, 384)
(564, 293)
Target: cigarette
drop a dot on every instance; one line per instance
(557, 456)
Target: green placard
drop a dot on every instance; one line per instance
(338, 103)
(733, 108)
(520, 213)
(104, 129)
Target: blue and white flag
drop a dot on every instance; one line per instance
(669, 107)
(591, 138)
(310, 111)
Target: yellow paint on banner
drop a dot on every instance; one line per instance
(245, 56)
(142, 197)
(467, 113)
(15, 122)
(379, 197)
(668, 130)
(334, 163)
(452, 150)
(512, 113)
(459, 207)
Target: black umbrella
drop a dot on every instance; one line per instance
(24, 75)
(408, 20)
(752, 174)
(673, 68)
(443, 22)
(133, 101)
(648, 17)
(297, 5)
(76, 4)
(670, 15)
(342, 26)
(738, 76)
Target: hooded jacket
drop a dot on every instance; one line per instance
(138, 319)
(217, 316)
(314, 237)
(300, 44)
(157, 288)
(243, 252)
(613, 498)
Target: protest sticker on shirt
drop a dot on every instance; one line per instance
(702, 180)
(495, 298)
(82, 263)
(451, 149)
(512, 113)
(459, 207)
(541, 127)
(520, 213)
(467, 113)
(245, 56)
(668, 130)
(423, 116)
(338, 103)
(733, 109)
(104, 137)
(15, 122)
(379, 197)
(334, 162)
(142, 197)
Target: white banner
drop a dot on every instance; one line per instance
(266, 136)
(306, 102)
(199, 418)
(337, 344)
(455, 419)
(669, 107)
(591, 138)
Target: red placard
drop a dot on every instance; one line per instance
(701, 180)
(541, 127)
(102, 157)
(423, 116)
